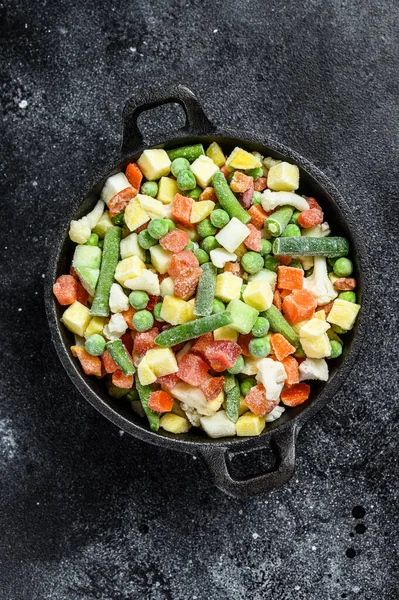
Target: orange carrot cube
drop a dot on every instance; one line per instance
(258, 216)
(160, 401)
(254, 240)
(282, 348)
(134, 175)
(91, 365)
(120, 380)
(289, 278)
(181, 209)
(65, 289)
(257, 402)
(291, 367)
(300, 305)
(175, 241)
(296, 394)
(240, 182)
(119, 202)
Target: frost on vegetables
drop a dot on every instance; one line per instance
(206, 290)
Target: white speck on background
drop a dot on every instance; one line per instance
(34, 183)
(255, 536)
(297, 588)
(133, 49)
(20, 310)
(7, 440)
(313, 548)
(215, 30)
(43, 275)
(23, 104)
(121, 433)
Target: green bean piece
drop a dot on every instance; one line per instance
(233, 402)
(144, 392)
(205, 290)
(227, 199)
(246, 385)
(309, 246)
(110, 258)
(278, 221)
(120, 356)
(229, 381)
(279, 325)
(119, 219)
(188, 152)
(192, 329)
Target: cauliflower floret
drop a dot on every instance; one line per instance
(275, 414)
(313, 368)
(118, 301)
(95, 215)
(79, 231)
(318, 283)
(317, 231)
(271, 200)
(115, 328)
(192, 414)
(272, 375)
(147, 281)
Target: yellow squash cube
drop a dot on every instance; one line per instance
(204, 169)
(154, 163)
(145, 374)
(225, 333)
(250, 365)
(215, 153)
(258, 294)
(130, 247)
(313, 328)
(160, 258)
(103, 224)
(128, 268)
(216, 403)
(320, 314)
(96, 325)
(161, 361)
(175, 311)
(190, 310)
(201, 210)
(241, 159)
(228, 286)
(242, 408)
(135, 216)
(76, 318)
(317, 346)
(174, 423)
(154, 208)
(283, 177)
(167, 190)
(343, 313)
(167, 287)
(250, 425)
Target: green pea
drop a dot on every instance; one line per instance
(246, 385)
(170, 224)
(261, 327)
(271, 263)
(195, 193)
(146, 240)
(149, 188)
(95, 344)
(93, 240)
(257, 198)
(255, 173)
(157, 228)
(336, 349)
(201, 255)
(252, 262)
(101, 244)
(143, 320)
(296, 264)
(132, 395)
(179, 165)
(138, 300)
(259, 347)
(338, 329)
(291, 231)
(205, 228)
(119, 219)
(157, 312)
(218, 306)
(186, 180)
(343, 267)
(209, 243)
(237, 367)
(219, 218)
(190, 246)
(348, 296)
(266, 247)
(294, 218)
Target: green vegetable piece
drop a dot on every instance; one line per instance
(101, 244)
(233, 402)
(271, 263)
(217, 306)
(157, 312)
(88, 278)
(230, 381)
(190, 246)
(278, 221)
(246, 385)
(188, 152)
(348, 296)
(114, 391)
(310, 246)
(119, 219)
(343, 267)
(95, 344)
(143, 320)
(291, 231)
(219, 218)
(230, 177)
(144, 392)
(243, 288)
(255, 173)
(179, 165)
(227, 199)
(252, 262)
(296, 264)
(170, 224)
(205, 290)
(157, 228)
(209, 243)
(119, 354)
(132, 395)
(294, 218)
(93, 240)
(201, 255)
(257, 198)
(266, 247)
(338, 329)
(112, 238)
(192, 329)
(149, 188)
(195, 193)
(243, 316)
(299, 353)
(336, 349)
(261, 327)
(138, 300)
(146, 240)
(238, 366)
(205, 228)
(259, 347)
(279, 325)
(186, 180)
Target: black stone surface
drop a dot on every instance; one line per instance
(88, 513)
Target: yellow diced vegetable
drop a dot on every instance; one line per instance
(96, 325)
(135, 216)
(144, 372)
(228, 286)
(215, 153)
(204, 169)
(258, 294)
(313, 328)
(250, 425)
(343, 313)
(175, 310)
(76, 318)
(174, 423)
(243, 408)
(154, 208)
(317, 346)
(320, 314)
(154, 163)
(167, 190)
(201, 210)
(283, 177)
(160, 258)
(103, 224)
(128, 268)
(162, 361)
(241, 159)
(225, 333)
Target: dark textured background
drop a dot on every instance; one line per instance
(87, 513)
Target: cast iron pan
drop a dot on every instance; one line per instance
(280, 434)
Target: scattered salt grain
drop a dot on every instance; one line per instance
(23, 104)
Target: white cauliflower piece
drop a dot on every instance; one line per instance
(147, 281)
(275, 414)
(80, 231)
(271, 374)
(271, 200)
(318, 231)
(116, 327)
(313, 368)
(118, 301)
(220, 257)
(95, 215)
(318, 283)
(192, 414)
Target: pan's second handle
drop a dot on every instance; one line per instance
(284, 446)
(197, 123)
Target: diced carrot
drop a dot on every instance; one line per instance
(120, 380)
(258, 216)
(285, 260)
(296, 394)
(313, 202)
(300, 305)
(240, 182)
(181, 209)
(109, 364)
(284, 294)
(186, 282)
(91, 365)
(208, 194)
(289, 278)
(243, 341)
(253, 241)
(257, 402)
(160, 401)
(144, 340)
(180, 261)
(128, 316)
(232, 268)
(225, 171)
(127, 341)
(142, 227)
(260, 184)
(212, 386)
(277, 299)
(119, 202)
(82, 295)
(65, 289)
(201, 343)
(282, 348)
(168, 382)
(175, 241)
(310, 218)
(291, 367)
(134, 175)
(327, 308)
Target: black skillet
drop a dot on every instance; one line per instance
(280, 434)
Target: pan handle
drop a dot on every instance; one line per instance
(197, 123)
(283, 444)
